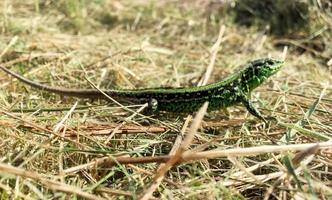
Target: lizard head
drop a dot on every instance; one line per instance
(259, 70)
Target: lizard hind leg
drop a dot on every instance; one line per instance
(152, 105)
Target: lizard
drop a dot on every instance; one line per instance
(232, 90)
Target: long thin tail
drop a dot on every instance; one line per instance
(85, 93)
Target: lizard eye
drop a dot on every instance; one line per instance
(270, 62)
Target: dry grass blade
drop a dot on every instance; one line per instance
(152, 174)
(113, 192)
(299, 125)
(41, 128)
(214, 51)
(125, 121)
(56, 130)
(51, 184)
(254, 150)
(243, 169)
(11, 43)
(304, 153)
(60, 124)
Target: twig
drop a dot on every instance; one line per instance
(100, 131)
(192, 156)
(157, 179)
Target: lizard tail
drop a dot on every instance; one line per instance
(86, 93)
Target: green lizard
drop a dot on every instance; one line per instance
(233, 90)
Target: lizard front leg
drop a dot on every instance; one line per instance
(251, 109)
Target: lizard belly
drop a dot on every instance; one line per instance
(192, 105)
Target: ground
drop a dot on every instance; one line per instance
(56, 147)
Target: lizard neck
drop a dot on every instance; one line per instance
(248, 81)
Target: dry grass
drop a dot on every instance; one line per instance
(62, 148)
